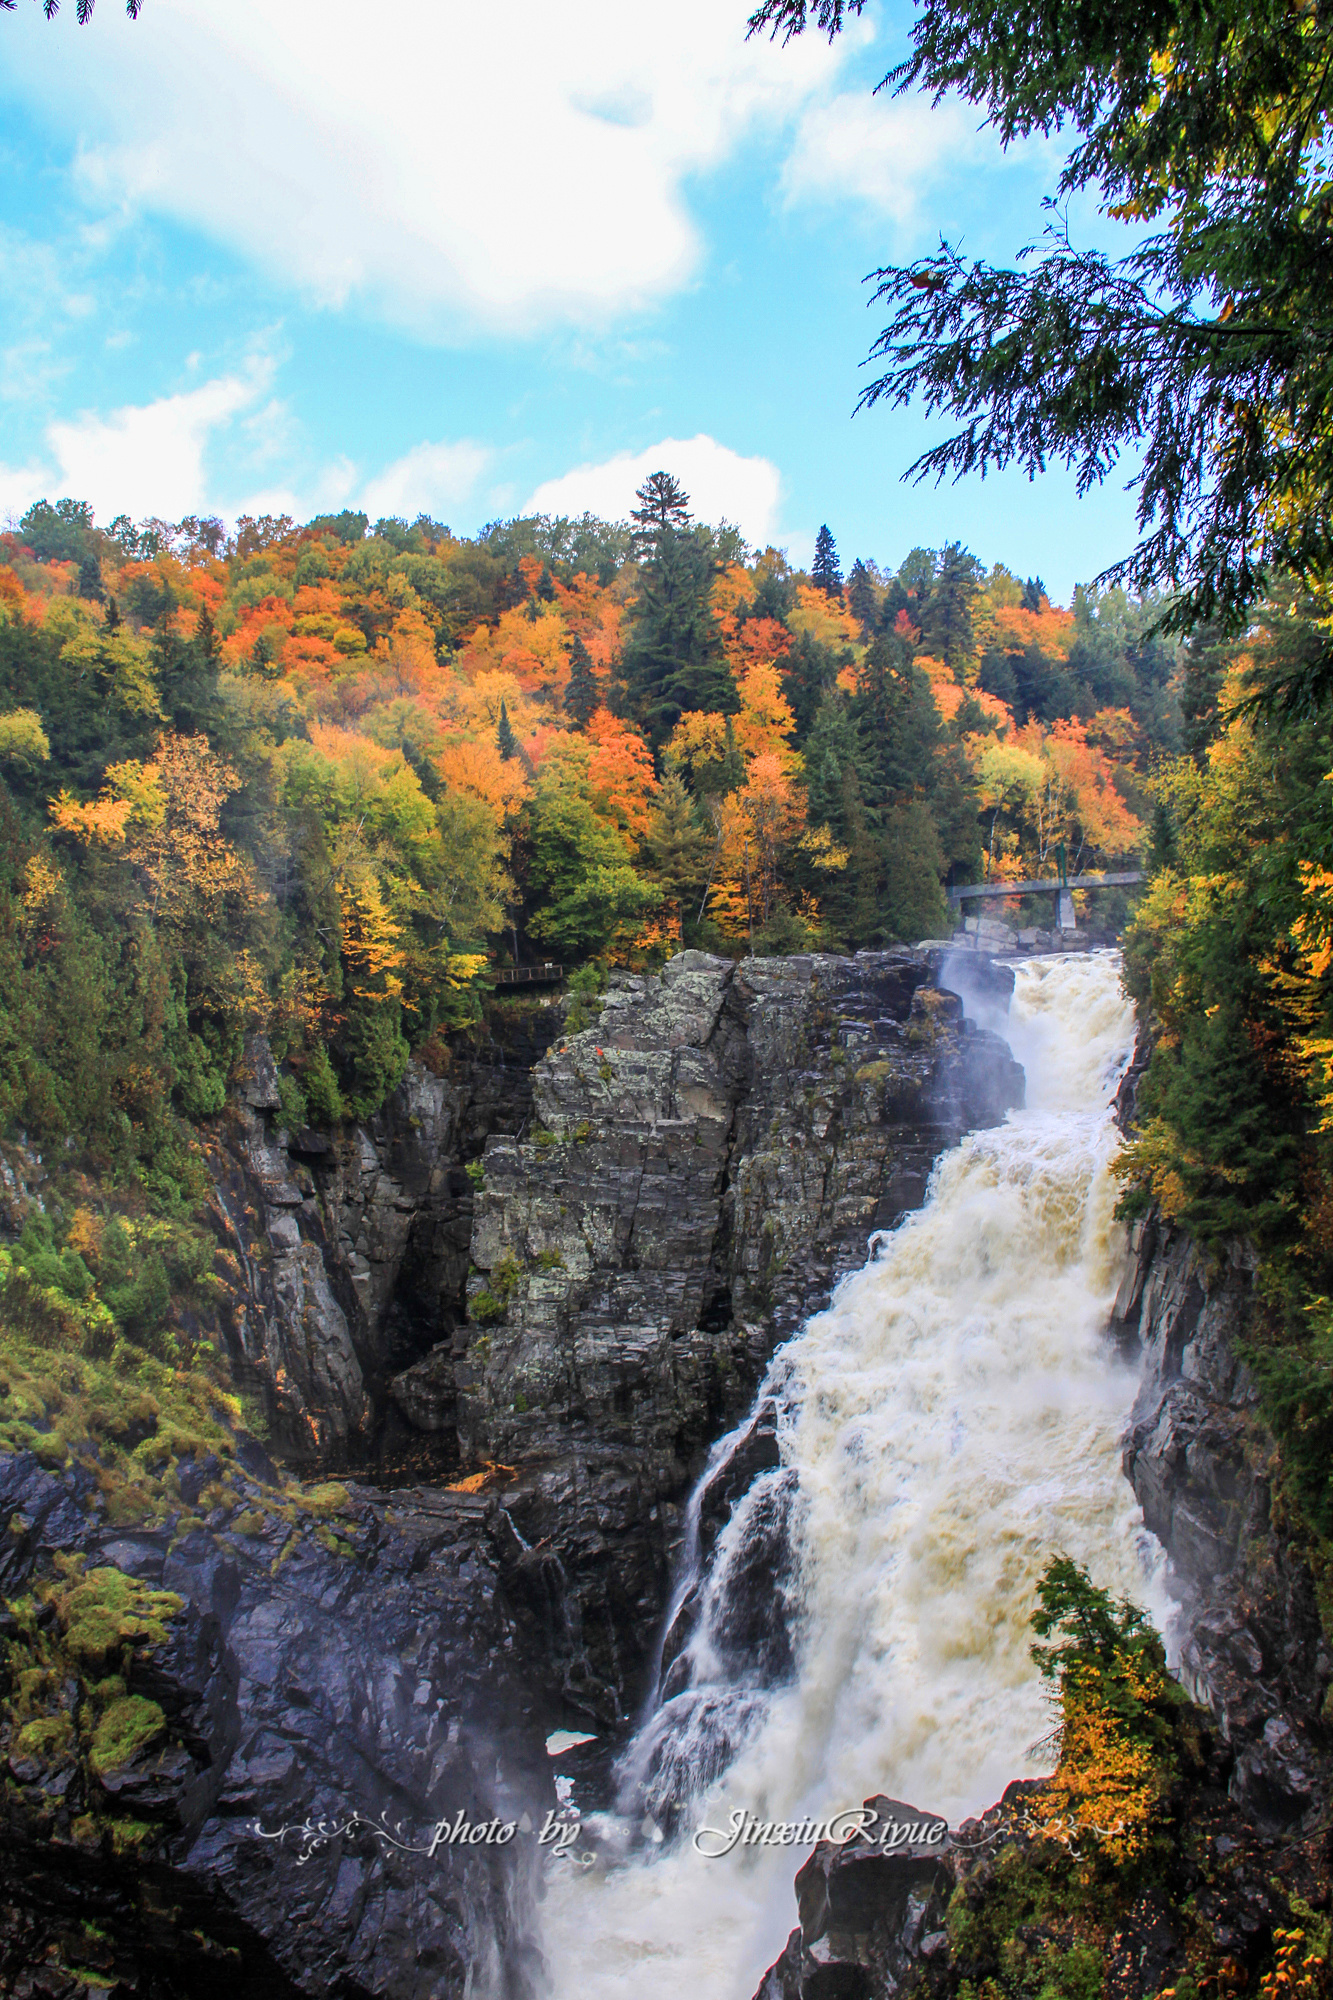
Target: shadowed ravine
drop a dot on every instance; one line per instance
(953, 1418)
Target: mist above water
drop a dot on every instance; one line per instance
(951, 1421)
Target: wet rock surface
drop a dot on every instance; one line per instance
(704, 1165)
(1253, 1651)
(870, 1912)
(346, 1252)
(331, 1674)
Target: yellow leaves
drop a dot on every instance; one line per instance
(23, 741)
(1297, 1969)
(465, 966)
(766, 721)
(122, 662)
(479, 771)
(42, 883)
(822, 849)
(698, 739)
(371, 938)
(1106, 1786)
(825, 619)
(100, 823)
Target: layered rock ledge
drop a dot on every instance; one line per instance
(702, 1167)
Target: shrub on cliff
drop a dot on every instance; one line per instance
(1119, 1710)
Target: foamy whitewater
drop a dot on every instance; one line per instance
(953, 1419)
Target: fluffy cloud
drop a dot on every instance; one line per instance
(886, 154)
(148, 458)
(513, 165)
(428, 480)
(719, 482)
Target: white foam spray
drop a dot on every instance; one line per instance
(954, 1418)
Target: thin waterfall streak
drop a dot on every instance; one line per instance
(860, 1621)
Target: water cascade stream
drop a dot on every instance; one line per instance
(948, 1423)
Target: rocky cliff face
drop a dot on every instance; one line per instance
(347, 1253)
(1252, 1647)
(703, 1166)
(345, 1670)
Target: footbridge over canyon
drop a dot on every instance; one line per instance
(1058, 886)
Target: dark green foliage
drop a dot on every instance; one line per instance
(375, 1054)
(946, 622)
(664, 506)
(861, 599)
(825, 573)
(582, 697)
(62, 533)
(347, 527)
(674, 659)
(912, 902)
(1206, 348)
(506, 741)
(1110, 1646)
(809, 669)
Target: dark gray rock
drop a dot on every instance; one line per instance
(1252, 1647)
(345, 1253)
(870, 1911)
(366, 1688)
(704, 1165)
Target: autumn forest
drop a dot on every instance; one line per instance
(332, 779)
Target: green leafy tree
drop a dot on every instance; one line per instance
(580, 872)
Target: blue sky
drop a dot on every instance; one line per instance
(294, 255)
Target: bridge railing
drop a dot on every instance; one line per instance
(547, 974)
(1048, 885)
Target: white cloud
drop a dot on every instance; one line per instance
(719, 482)
(20, 485)
(515, 165)
(885, 154)
(148, 458)
(427, 480)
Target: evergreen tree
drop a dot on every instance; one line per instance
(546, 585)
(725, 774)
(664, 506)
(861, 599)
(90, 579)
(674, 659)
(505, 739)
(678, 846)
(946, 623)
(824, 571)
(808, 669)
(582, 698)
(1033, 592)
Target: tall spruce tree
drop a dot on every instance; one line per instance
(824, 571)
(505, 740)
(674, 659)
(946, 622)
(861, 599)
(582, 698)
(663, 505)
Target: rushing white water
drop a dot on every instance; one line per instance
(952, 1420)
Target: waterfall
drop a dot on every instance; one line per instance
(951, 1421)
